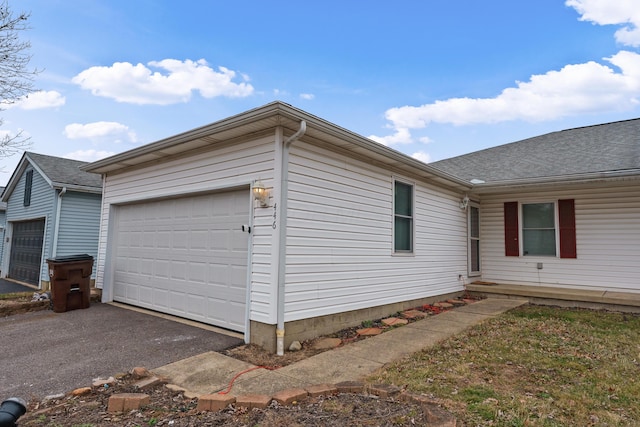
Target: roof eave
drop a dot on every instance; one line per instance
(13, 180)
(285, 111)
(76, 187)
(576, 179)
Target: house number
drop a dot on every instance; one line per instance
(275, 215)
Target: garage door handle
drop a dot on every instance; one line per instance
(246, 228)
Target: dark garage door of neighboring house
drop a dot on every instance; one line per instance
(26, 251)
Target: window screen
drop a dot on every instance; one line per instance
(538, 229)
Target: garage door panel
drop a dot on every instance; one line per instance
(161, 298)
(186, 257)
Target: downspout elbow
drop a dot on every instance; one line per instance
(293, 138)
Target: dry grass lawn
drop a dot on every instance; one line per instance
(533, 366)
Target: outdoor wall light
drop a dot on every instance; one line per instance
(260, 193)
(464, 203)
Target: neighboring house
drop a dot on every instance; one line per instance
(3, 225)
(52, 209)
(557, 210)
(341, 229)
(349, 230)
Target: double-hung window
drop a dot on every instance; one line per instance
(403, 218)
(538, 229)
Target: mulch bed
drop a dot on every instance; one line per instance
(171, 408)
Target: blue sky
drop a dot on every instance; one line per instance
(433, 79)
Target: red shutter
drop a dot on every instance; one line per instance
(567, 220)
(511, 232)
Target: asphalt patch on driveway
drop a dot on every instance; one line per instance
(44, 353)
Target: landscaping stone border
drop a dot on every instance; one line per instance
(434, 414)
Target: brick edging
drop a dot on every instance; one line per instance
(435, 415)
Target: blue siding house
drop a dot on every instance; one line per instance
(3, 224)
(52, 209)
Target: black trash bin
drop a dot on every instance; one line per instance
(70, 282)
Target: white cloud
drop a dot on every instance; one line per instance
(307, 96)
(39, 100)
(100, 130)
(612, 12)
(88, 155)
(402, 136)
(138, 84)
(589, 87)
(575, 89)
(422, 156)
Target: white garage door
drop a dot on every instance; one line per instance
(185, 256)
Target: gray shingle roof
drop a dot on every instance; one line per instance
(65, 171)
(600, 148)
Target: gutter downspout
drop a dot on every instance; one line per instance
(54, 250)
(282, 264)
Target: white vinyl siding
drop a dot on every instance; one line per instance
(607, 236)
(228, 167)
(340, 237)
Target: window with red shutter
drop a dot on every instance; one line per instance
(566, 228)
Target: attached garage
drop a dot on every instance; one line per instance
(185, 256)
(26, 251)
(320, 254)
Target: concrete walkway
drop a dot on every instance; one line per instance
(212, 372)
(626, 302)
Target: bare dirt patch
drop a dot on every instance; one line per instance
(18, 303)
(170, 408)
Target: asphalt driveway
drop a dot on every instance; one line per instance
(44, 353)
(7, 287)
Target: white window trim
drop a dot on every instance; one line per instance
(393, 217)
(556, 226)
